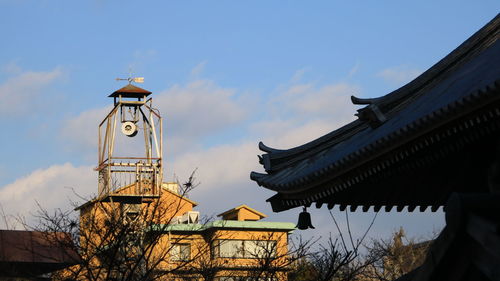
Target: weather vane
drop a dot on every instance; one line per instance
(131, 79)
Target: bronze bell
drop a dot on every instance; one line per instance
(304, 220)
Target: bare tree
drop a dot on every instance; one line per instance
(135, 241)
(272, 261)
(395, 257)
(264, 255)
(339, 258)
(123, 240)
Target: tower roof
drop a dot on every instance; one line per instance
(130, 91)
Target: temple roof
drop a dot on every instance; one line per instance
(463, 82)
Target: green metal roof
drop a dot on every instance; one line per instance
(264, 225)
(178, 227)
(251, 224)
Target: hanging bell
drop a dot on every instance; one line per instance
(304, 220)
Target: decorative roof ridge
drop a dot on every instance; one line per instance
(392, 102)
(275, 158)
(268, 149)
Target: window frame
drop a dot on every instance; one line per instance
(177, 255)
(245, 251)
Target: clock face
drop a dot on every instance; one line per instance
(129, 129)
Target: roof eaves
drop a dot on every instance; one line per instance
(130, 89)
(177, 227)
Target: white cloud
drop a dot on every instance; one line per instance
(200, 107)
(224, 174)
(220, 166)
(52, 187)
(354, 69)
(304, 112)
(299, 74)
(308, 101)
(299, 135)
(399, 75)
(140, 60)
(198, 69)
(12, 68)
(82, 129)
(329, 100)
(284, 134)
(300, 113)
(21, 93)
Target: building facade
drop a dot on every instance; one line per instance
(141, 228)
(163, 238)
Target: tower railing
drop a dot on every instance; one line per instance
(139, 177)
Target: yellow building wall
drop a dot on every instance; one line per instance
(158, 210)
(161, 211)
(202, 254)
(246, 215)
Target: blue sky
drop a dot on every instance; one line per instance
(225, 74)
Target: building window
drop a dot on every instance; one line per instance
(260, 249)
(231, 249)
(244, 249)
(181, 252)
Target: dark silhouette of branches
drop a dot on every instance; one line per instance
(340, 258)
(115, 240)
(395, 256)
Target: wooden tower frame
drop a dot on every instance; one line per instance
(143, 175)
